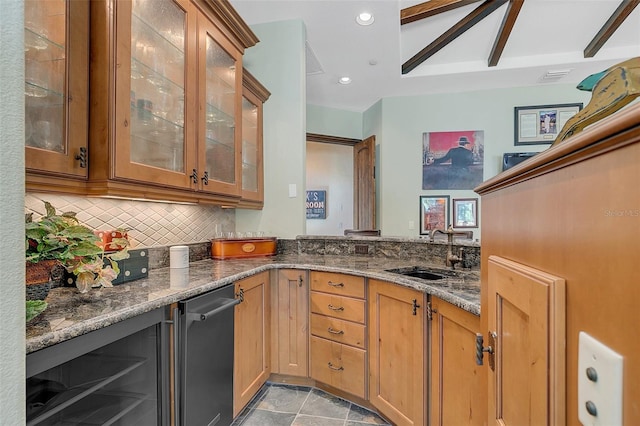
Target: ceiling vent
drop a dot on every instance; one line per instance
(312, 63)
(554, 75)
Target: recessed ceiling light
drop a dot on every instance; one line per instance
(344, 80)
(365, 18)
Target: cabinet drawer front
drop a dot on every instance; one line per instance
(341, 284)
(340, 366)
(338, 330)
(338, 307)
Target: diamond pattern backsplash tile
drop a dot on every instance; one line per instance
(151, 224)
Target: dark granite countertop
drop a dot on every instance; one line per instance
(71, 314)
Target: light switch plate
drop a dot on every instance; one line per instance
(293, 190)
(603, 392)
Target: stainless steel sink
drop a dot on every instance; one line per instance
(423, 273)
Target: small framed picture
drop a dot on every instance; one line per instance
(540, 124)
(434, 213)
(465, 213)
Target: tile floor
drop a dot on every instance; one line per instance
(288, 405)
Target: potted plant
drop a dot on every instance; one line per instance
(61, 239)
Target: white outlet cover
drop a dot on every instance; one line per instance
(606, 391)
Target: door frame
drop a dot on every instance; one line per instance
(337, 140)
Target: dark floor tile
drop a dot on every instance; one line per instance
(282, 399)
(263, 418)
(362, 415)
(322, 404)
(305, 420)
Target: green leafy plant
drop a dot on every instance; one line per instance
(61, 237)
(35, 308)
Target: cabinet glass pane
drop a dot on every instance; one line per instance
(157, 84)
(113, 385)
(249, 146)
(45, 70)
(220, 113)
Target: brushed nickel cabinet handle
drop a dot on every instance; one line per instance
(335, 308)
(331, 366)
(332, 331)
(335, 284)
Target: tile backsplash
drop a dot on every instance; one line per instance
(151, 224)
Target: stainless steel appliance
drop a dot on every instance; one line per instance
(205, 361)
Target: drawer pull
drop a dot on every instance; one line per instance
(335, 284)
(332, 331)
(335, 308)
(331, 366)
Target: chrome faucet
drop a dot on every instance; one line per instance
(451, 258)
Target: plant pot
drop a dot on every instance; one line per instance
(38, 279)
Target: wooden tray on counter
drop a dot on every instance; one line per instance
(234, 248)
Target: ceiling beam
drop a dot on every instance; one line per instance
(513, 10)
(478, 14)
(607, 30)
(430, 8)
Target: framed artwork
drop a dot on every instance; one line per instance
(452, 160)
(540, 124)
(434, 213)
(316, 204)
(465, 213)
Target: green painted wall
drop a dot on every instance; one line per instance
(278, 62)
(399, 139)
(334, 122)
(12, 291)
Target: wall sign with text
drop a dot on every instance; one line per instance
(316, 204)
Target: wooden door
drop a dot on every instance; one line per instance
(364, 184)
(290, 323)
(252, 337)
(397, 348)
(457, 393)
(526, 311)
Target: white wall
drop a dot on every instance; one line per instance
(404, 119)
(278, 62)
(330, 168)
(12, 290)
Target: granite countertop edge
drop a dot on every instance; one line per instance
(71, 314)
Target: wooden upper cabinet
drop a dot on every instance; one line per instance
(254, 95)
(56, 90)
(157, 116)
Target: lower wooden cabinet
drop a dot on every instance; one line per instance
(338, 365)
(252, 338)
(338, 332)
(457, 394)
(526, 314)
(290, 323)
(397, 352)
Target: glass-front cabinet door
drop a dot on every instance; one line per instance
(219, 135)
(56, 50)
(254, 95)
(152, 92)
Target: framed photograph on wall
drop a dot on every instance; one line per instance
(434, 213)
(465, 213)
(540, 124)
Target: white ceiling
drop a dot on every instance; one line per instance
(549, 35)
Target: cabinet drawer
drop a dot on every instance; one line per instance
(338, 365)
(338, 306)
(341, 284)
(338, 330)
